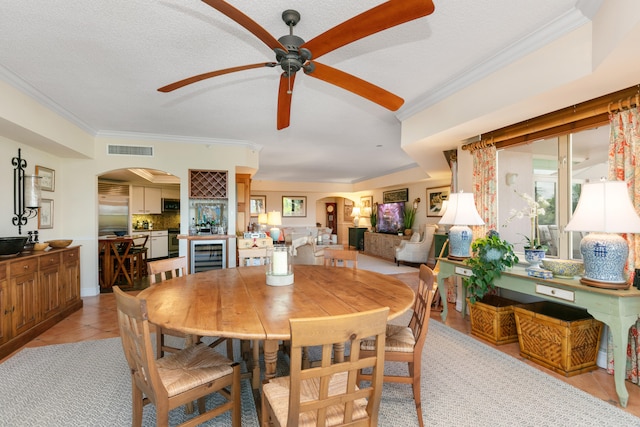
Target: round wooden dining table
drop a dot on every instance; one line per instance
(237, 302)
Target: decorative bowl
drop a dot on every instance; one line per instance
(12, 245)
(563, 268)
(40, 246)
(120, 233)
(57, 244)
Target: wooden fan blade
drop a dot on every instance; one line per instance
(248, 23)
(199, 77)
(381, 17)
(285, 93)
(356, 85)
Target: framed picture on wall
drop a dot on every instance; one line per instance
(435, 200)
(294, 206)
(48, 180)
(45, 214)
(366, 202)
(401, 195)
(258, 205)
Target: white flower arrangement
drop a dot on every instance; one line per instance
(532, 210)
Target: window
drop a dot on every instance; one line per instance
(553, 171)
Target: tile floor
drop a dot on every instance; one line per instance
(97, 320)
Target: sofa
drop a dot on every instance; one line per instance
(294, 234)
(308, 254)
(417, 249)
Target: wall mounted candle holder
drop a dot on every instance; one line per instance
(26, 193)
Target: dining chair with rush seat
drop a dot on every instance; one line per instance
(329, 393)
(177, 379)
(160, 271)
(340, 257)
(404, 343)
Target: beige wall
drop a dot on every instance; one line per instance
(78, 158)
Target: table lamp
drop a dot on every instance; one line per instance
(604, 209)
(355, 213)
(461, 212)
(262, 221)
(274, 219)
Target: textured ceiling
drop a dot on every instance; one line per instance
(101, 62)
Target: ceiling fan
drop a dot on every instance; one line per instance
(294, 54)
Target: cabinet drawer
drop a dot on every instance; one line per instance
(24, 266)
(49, 260)
(71, 255)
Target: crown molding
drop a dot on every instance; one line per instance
(557, 28)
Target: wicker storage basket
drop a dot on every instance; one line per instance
(492, 319)
(562, 338)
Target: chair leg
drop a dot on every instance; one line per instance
(137, 405)
(236, 411)
(416, 393)
(230, 354)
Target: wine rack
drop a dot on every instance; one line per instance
(206, 184)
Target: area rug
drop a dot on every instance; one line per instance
(383, 266)
(84, 384)
(464, 383)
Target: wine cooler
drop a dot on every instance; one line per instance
(208, 255)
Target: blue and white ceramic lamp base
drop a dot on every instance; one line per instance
(604, 255)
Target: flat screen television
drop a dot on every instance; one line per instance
(390, 217)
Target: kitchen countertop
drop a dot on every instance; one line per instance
(206, 236)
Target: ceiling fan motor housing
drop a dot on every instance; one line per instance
(292, 60)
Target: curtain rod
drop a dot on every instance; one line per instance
(584, 115)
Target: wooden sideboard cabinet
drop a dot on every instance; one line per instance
(382, 245)
(36, 292)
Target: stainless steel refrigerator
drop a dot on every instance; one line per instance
(113, 214)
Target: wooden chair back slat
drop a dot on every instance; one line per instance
(340, 257)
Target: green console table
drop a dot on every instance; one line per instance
(618, 309)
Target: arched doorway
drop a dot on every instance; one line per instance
(140, 202)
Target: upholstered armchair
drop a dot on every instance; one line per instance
(417, 249)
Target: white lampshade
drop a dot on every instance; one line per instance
(461, 212)
(355, 213)
(262, 218)
(274, 218)
(604, 209)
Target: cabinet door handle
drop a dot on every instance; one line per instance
(26, 267)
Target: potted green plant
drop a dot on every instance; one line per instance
(492, 316)
(373, 218)
(491, 255)
(409, 216)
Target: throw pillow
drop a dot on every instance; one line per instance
(415, 238)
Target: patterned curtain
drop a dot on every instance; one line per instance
(485, 189)
(624, 152)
